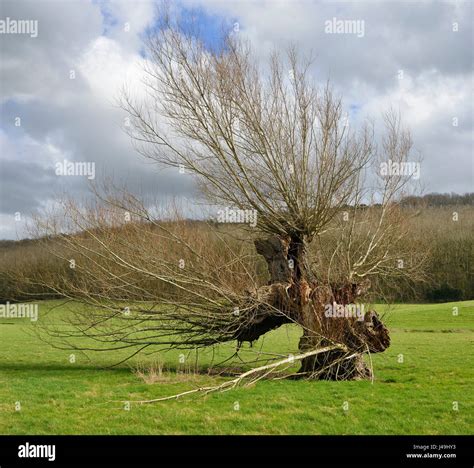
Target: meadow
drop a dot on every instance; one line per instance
(423, 385)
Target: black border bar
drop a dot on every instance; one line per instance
(242, 451)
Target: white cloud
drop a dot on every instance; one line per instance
(107, 67)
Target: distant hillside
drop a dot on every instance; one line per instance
(440, 199)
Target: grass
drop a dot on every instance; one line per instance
(411, 397)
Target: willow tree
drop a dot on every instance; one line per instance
(260, 137)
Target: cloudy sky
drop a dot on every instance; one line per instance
(58, 85)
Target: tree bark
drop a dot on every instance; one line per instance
(293, 291)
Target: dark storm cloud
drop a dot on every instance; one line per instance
(23, 186)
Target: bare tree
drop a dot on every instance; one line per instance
(261, 138)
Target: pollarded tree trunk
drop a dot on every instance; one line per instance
(294, 291)
(287, 292)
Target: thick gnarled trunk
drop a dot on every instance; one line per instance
(294, 292)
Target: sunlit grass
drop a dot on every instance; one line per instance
(420, 380)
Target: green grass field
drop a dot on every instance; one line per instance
(415, 396)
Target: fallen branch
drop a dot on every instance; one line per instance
(230, 384)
